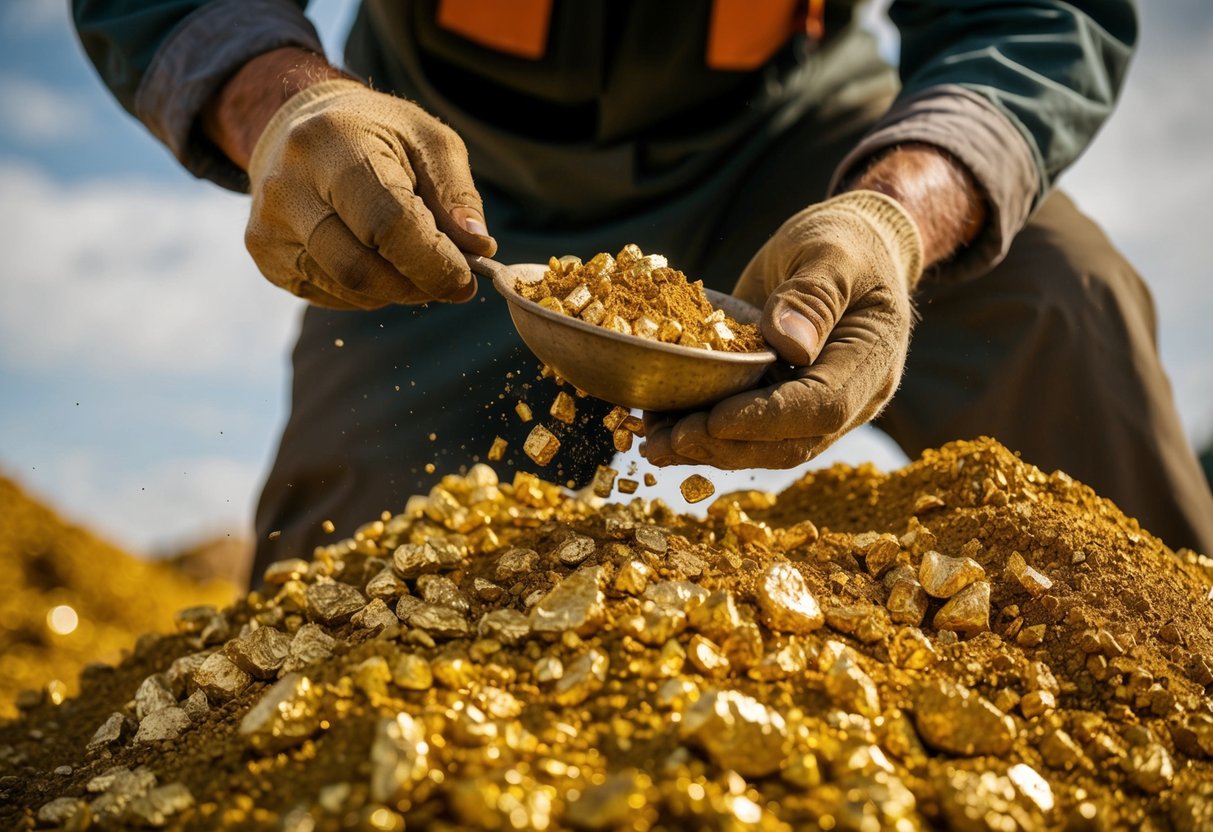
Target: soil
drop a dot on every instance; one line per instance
(1094, 681)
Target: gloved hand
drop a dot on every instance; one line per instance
(361, 199)
(834, 283)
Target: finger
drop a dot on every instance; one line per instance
(377, 202)
(439, 159)
(852, 378)
(691, 438)
(657, 449)
(802, 312)
(354, 270)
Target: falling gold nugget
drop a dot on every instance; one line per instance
(622, 440)
(524, 411)
(564, 408)
(615, 418)
(650, 480)
(328, 527)
(604, 480)
(541, 445)
(497, 452)
(696, 488)
(627, 486)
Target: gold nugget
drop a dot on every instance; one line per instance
(541, 445)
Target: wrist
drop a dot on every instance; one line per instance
(938, 193)
(237, 114)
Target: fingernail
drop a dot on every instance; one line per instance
(475, 226)
(798, 328)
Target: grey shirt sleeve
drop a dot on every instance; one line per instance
(981, 138)
(194, 61)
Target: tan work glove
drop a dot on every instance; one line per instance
(834, 282)
(361, 199)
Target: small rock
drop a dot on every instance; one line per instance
(575, 550)
(1035, 583)
(164, 724)
(152, 695)
(286, 715)
(967, 612)
(412, 672)
(682, 595)
(707, 658)
(386, 586)
(333, 602)
(375, 616)
(411, 560)
(953, 719)
(505, 625)
(159, 805)
(372, 676)
(281, 571)
(586, 675)
(63, 812)
(441, 591)
(983, 801)
(867, 623)
(911, 650)
(850, 688)
(1059, 750)
(786, 603)
(717, 617)
(633, 577)
(486, 590)
(261, 652)
(737, 732)
(110, 732)
(881, 552)
(548, 669)
(515, 563)
(196, 706)
(652, 539)
(1149, 766)
(943, 577)
(220, 678)
(575, 604)
(442, 622)
(907, 602)
(1036, 703)
(399, 758)
(310, 644)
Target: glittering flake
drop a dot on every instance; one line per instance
(286, 715)
(786, 603)
(737, 732)
(333, 602)
(261, 652)
(943, 577)
(399, 758)
(696, 488)
(953, 719)
(583, 677)
(541, 445)
(575, 604)
(966, 612)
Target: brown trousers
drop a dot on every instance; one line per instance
(1053, 353)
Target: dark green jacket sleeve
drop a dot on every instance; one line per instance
(1015, 91)
(164, 59)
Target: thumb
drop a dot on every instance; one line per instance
(800, 315)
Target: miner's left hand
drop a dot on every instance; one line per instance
(834, 283)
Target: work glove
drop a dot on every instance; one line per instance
(361, 199)
(834, 283)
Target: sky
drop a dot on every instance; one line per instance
(144, 361)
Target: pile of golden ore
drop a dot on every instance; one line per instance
(967, 643)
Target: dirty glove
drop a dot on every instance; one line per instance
(834, 283)
(361, 199)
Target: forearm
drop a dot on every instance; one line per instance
(236, 115)
(937, 191)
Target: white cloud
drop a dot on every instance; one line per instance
(123, 278)
(33, 112)
(172, 503)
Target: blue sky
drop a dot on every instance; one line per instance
(143, 359)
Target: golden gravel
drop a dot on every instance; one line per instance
(504, 656)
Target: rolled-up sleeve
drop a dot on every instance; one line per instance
(1014, 91)
(164, 60)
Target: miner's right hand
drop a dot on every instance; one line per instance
(360, 199)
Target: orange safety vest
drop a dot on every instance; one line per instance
(742, 34)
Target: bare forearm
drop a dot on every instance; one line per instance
(238, 113)
(936, 190)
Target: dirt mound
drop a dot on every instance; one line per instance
(965, 643)
(70, 599)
